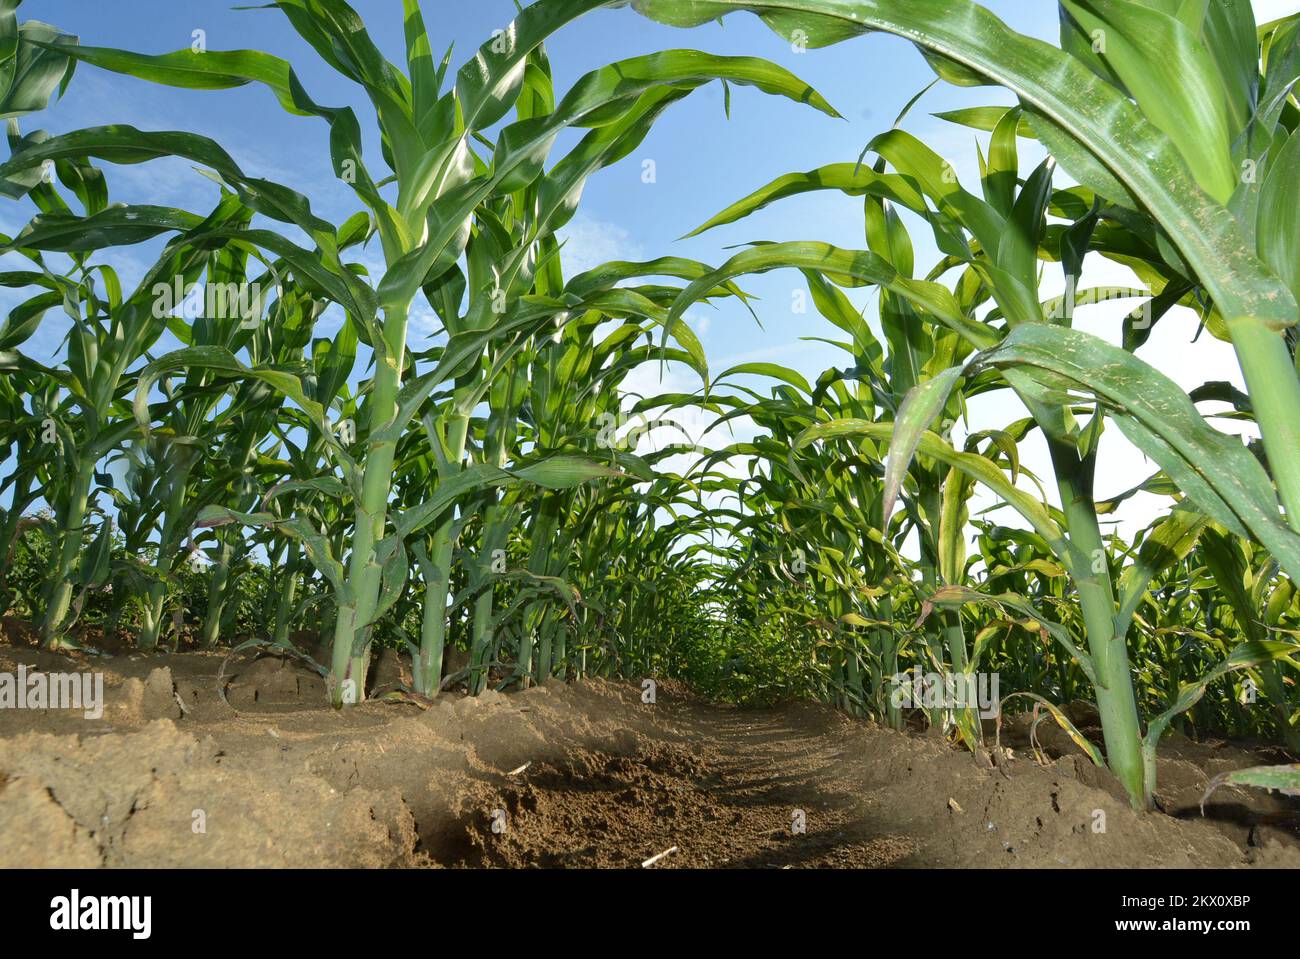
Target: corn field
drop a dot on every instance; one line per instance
(242, 445)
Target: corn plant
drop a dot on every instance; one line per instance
(443, 193)
(1113, 105)
(88, 416)
(484, 497)
(1128, 152)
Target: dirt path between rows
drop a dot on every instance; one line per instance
(578, 775)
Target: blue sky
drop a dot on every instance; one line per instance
(703, 161)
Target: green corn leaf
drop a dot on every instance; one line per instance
(937, 179)
(316, 545)
(1175, 81)
(846, 267)
(920, 408)
(1100, 117)
(986, 119)
(1168, 543)
(978, 467)
(222, 360)
(1217, 473)
(1002, 174)
(557, 472)
(960, 596)
(614, 272)
(1067, 727)
(34, 61)
(1244, 656)
(127, 145)
(774, 370)
(1227, 563)
(852, 179)
(197, 70)
(116, 226)
(1278, 226)
(1285, 779)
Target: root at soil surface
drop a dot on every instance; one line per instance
(568, 775)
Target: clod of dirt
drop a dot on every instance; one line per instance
(34, 821)
(135, 701)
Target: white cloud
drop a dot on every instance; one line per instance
(589, 242)
(779, 353)
(1269, 10)
(424, 324)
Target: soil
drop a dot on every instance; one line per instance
(582, 774)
